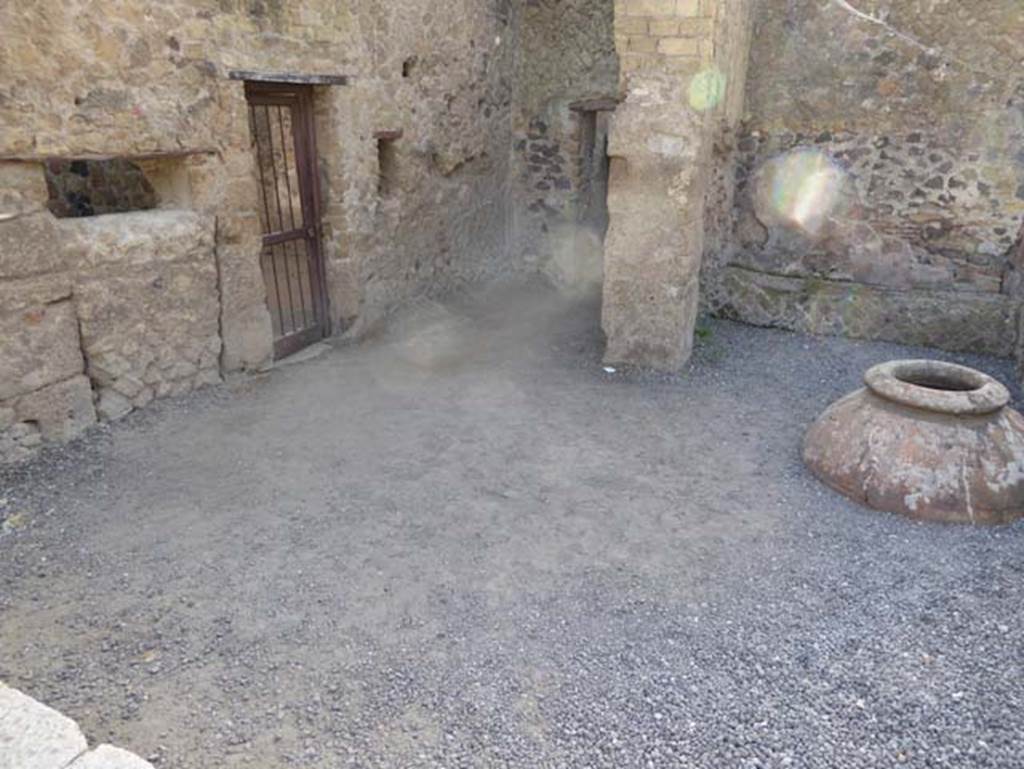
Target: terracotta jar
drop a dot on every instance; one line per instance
(931, 440)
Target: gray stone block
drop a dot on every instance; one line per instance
(112, 405)
(33, 736)
(20, 295)
(22, 189)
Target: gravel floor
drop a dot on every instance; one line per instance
(475, 548)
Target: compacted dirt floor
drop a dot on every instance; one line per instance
(466, 544)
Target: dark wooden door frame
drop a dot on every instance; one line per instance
(298, 99)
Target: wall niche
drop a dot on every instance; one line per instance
(80, 188)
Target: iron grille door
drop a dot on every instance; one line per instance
(284, 143)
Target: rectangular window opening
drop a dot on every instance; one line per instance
(387, 162)
(594, 170)
(93, 187)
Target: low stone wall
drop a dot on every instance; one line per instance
(99, 316)
(146, 295)
(33, 736)
(958, 321)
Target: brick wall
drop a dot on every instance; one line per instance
(662, 34)
(154, 80)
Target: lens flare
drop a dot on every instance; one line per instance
(801, 189)
(707, 89)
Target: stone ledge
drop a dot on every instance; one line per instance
(958, 321)
(137, 238)
(131, 156)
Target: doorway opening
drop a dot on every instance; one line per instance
(592, 218)
(594, 166)
(284, 143)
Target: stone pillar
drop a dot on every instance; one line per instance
(661, 140)
(230, 185)
(348, 177)
(226, 186)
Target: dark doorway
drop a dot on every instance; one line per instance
(591, 224)
(594, 164)
(284, 142)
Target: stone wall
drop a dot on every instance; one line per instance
(106, 313)
(1015, 285)
(683, 69)
(442, 78)
(880, 173)
(129, 79)
(99, 315)
(872, 183)
(44, 393)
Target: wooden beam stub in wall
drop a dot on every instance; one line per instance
(154, 155)
(391, 135)
(599, 104)
(287, 77)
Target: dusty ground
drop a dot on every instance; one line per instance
(402, 555)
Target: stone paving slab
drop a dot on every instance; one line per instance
(33, 736)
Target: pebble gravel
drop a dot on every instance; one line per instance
(513, 558)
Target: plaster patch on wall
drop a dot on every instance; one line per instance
(669, 146)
